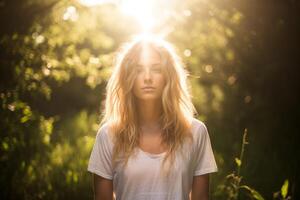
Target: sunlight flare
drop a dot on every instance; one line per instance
(143, 11)
(149, 14)
(95, 2)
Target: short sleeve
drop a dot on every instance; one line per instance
(100, 161)
(204, 160)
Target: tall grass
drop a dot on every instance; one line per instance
(234, 188)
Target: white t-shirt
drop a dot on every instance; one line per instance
(141, 179)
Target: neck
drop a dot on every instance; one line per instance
(149, 114)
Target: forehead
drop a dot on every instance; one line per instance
(149, 56)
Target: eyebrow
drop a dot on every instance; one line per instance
(156, 64)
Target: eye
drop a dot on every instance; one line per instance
(157, 69)
(139, 69)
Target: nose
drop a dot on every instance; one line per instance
(147, 76)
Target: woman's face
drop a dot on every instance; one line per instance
(150, 80)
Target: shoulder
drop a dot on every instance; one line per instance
(102, 130)
(198, 127)
(103, 133)
(199, 131)
(200, 134)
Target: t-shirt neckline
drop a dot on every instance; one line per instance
(152, 155)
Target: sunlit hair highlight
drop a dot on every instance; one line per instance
(120, 111)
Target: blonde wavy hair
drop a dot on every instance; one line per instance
(120, 104)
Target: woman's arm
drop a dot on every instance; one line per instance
(200, 187)
(103, 188)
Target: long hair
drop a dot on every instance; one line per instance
(120, 104)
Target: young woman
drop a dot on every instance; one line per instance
(149, 145)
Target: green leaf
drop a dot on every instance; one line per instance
(238, 162)
(284, 188)
(257, 195)
(254, 193)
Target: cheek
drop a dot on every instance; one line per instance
(136, 83)
(163, 81)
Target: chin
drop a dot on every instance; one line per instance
(148, 98)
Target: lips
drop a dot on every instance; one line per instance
(148, 89)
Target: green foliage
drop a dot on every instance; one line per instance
(232, 185)
(284, 188)
(230, 189)
(283, 193)
(37, 159)
(254, 193)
